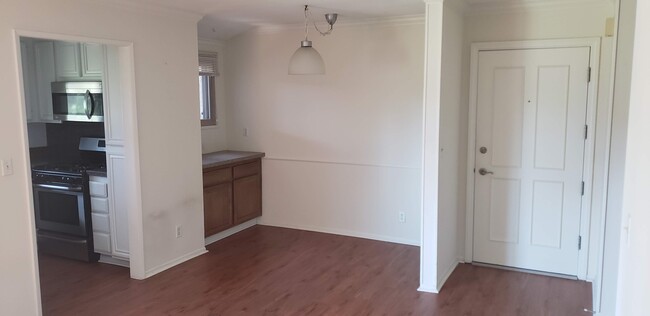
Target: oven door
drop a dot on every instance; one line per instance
(60, 209)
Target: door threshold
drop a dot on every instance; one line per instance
(550, 274)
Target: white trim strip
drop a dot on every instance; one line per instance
(549, 274)
(340, 163)
(230, 231)
(342, 232)
(174, 262)
(446, 276)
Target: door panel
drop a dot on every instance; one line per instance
(507, 116)
(504, 210)
(531, 111)
(552, 106)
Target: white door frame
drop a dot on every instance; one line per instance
(592, 102)
(134, 201)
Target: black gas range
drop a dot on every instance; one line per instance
(62, 207)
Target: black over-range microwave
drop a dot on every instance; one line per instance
(78, 101)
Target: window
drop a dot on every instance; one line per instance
(207, 77)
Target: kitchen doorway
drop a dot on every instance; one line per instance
(79, 95)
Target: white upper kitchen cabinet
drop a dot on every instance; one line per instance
(29, 80)
(45, 75)
(67, 60)
(78, 62)
(92, 60)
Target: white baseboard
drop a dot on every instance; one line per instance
(230, 231)
(446, 276)
(343, 233)
(160, 268)
(114, 261)
(427, 289)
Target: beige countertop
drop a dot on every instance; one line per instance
(226, 157)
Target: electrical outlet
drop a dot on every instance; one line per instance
(402, 217)
(179, 231)
(7, 167)
(245, 132)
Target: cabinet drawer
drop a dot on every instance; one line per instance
(213, 177)
(102, 243)
(98, 189)
(101, 223)
(247, 169)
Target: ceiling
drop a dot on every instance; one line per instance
(226, 18)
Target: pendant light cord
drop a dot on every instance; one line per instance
(306, 22)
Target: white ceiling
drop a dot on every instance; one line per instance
(230, 17)
(224, 19)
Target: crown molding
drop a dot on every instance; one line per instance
(417, 19)
(532, 6)
(151, 9)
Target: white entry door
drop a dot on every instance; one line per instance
(530, 139)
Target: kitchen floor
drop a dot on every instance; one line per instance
(276, 271)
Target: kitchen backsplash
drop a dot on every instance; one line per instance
(63, 143)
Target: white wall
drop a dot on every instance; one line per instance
(165, 49)
(451, 172)
(634, 276)
(567, 22)
(213, 138)
(343, 149)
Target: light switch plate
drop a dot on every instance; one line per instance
(7, 167)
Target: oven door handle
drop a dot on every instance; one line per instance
(60, 187)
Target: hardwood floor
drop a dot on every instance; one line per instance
(275, 271)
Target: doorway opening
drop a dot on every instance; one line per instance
(80, 127)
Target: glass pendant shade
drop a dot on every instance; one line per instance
(306, 61)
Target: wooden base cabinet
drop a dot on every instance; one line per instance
(217, 203)
(232, 194)
(248, 198)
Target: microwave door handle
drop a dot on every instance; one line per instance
(89, 99)
(86, 104)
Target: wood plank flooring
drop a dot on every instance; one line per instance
(276, 271)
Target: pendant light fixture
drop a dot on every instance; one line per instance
(306, 60)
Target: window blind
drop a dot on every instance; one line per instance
(208, 64)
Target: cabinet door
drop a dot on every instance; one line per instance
(92, 60)
(217, 203)
(29, 82)
(45, 75)
(118, 195)
(248, 198)
(67, 61)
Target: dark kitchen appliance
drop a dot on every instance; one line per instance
(78, 101)
(62, 206)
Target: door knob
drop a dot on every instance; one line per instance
(484, 171)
